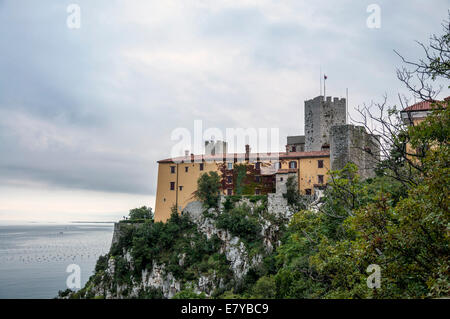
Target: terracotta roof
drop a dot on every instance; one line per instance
(422, 106)
(242, 156)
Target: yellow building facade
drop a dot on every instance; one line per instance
(177, 178)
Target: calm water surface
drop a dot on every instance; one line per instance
(34, 258)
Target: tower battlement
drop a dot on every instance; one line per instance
(321, 113)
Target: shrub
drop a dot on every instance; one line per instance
(208, 189)
(265, 288)
(240, 224)
(102, 263)
(141, 214)
(189, 293)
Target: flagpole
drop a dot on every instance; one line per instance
(346, 108)
(320, 78)
(324, 87)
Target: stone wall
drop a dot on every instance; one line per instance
(278, 206)
(280, 182)
(296, 143)
(350, 143)
(120, 230)
(320, 115)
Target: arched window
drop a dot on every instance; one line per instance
(293, 164)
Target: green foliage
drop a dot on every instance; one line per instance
(241, 223)
(178, 239)
(141, 214)
(265, 288)
(228, 204)
(125, 240)
(102, 263)
(292, 195)
(122, 270)
(65, 293)
(151, 293)
(189, 293)
(208, 189)
(241, 174)
(377, 221)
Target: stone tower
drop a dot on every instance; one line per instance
(350, 143)
(320, 115)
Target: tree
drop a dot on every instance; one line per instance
(418, 75)
(208, 189)
(293, 197)
(397, 220)
(142, 213)
(397, 160)
(265, 288)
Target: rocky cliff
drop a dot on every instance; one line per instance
(204, 252)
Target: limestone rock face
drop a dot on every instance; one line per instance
(233, 248)
(158, 278)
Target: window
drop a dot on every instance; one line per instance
(281, 179)
(320, 178)
(293, 164)
(257, 165)
(308, 191)
(257, 191)
(172, 169)
(257, 179)
(229, 191)
(229, 179)
(172, 186)
(294, 149)
(181, 188)
(186, 169)
(201, 166)
(229, 165)
(320, 163)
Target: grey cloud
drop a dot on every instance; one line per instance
(106, 119)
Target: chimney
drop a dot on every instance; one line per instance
(247, 150)
(186, 153)
(192, 158)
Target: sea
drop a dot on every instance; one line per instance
(38, 260)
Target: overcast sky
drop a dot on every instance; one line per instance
(86, 113)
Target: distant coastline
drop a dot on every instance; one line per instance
(88, 222)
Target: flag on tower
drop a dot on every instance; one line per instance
(325, 77)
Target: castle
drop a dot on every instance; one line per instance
(329, 143)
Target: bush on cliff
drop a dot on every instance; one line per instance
(208, 189)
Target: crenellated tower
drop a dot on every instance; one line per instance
(320, 115)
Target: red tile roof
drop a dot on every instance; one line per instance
(242, 156)
(422, 106)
